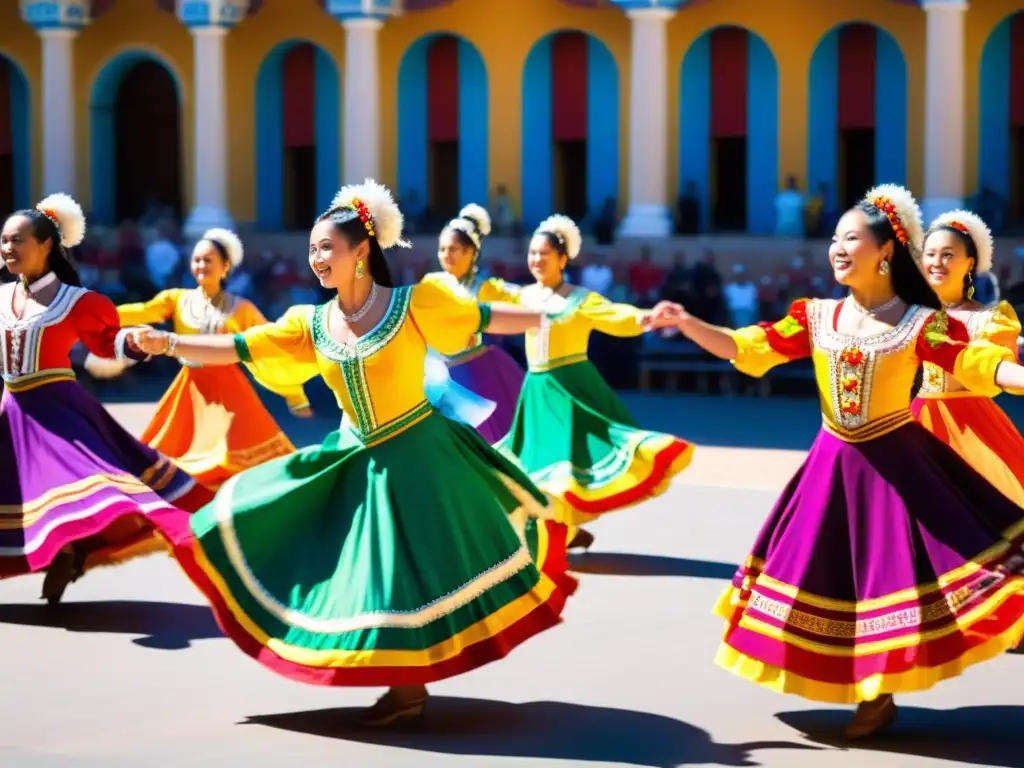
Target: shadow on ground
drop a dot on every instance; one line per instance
(538, 730)
(161, 626)
(989, 736)
(629, 564)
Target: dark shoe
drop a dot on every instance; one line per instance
(406, 703)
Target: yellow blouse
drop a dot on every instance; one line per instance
(574, 317)
(864, 383)
(482, 289)
(998, 325)
(378, 382)
(189, 313)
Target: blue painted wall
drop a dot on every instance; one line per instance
(823, 118)
(102, 155)
(762, 136)
(537, 151)
(602, 125)
(269, 158)
(413, 138)
(695, 123)
(21, 143)
(994, 133)
(891, 108)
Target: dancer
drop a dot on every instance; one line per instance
(571, 432)
(957, 247)
(485, 370)
(210, 420)
(888, 564)
(384, 556)
(78, 491)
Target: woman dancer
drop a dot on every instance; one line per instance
(384, 556)
(78, 490)
(211, 421)
(571, 432)
(888, 564)
(957, 247)
(485, 370)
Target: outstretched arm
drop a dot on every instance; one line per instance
(208, 349)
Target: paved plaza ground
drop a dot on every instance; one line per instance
(132, 671)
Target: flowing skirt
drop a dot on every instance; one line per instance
(577, 441)
(213, 424)
(73, 475)
(400, 562)
(885, 567)
(978, 430)
(491, 373)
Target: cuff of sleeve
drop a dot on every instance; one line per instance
(485, 318)
(123, 352)
(298, 405)
(242, 348)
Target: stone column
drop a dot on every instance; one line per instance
(944, 150)
(648, 214)
(361, 118)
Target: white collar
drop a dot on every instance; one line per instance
(48, 279)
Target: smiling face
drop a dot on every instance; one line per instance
(455, 257)
(946, 264)
(23, 254)
(209, 268)
(332, 257)
(855, 255)
(545, 263)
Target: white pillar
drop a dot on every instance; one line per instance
(648, 214)
(944, 149)
(361, 153)
(58, 111)
(210, 172)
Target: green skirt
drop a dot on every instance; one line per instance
(576, 440)
(400, 563)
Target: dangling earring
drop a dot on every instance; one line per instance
(970, 287)
(359, 270)
(883, 268)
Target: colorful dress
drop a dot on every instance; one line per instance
(71, 473)
(210, 420)
(888, 564)
(484, 369)
(970, 423)
(571, 432)
(402, 550)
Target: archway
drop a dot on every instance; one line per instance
(298, 135)
(442, 127)
(570, 140)
(135, 113)
(1001, 124)
(15, 149)
(846, 155)
(729, 129)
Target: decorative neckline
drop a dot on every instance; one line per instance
(874, 311)
(360, 313)
(46, 280)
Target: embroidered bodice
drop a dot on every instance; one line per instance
(864, 382)
(574, 317)
(481, 289)
(998, 325)
(378, 382)
(39, 346)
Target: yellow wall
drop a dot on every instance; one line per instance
(19, 43)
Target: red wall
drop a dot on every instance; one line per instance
(1017, 70)
(569, 64)
(729, 82)
(443, 89)
(858, 45)
(299, 99)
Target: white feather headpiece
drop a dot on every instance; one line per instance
(970, 224)
(474, 221)
(565, 230)
(67, 215)
(229, 241)
(385, 220)
(904, 214)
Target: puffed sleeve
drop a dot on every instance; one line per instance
(447, 322)
(611, 318)
(496, 289)
(1001, 326)
(762, 347)
(99, 328)
(283, 349)
(946, 342)
(276, 378)
(159, 309)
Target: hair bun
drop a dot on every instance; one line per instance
(67, 215)
(229, 241)
(905, 210)
(566, 230)
(387, 218)
(972, 225)
(479, 216)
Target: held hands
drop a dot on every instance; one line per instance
(667, 315)
(151, 341)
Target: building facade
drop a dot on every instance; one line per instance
(255, 111)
